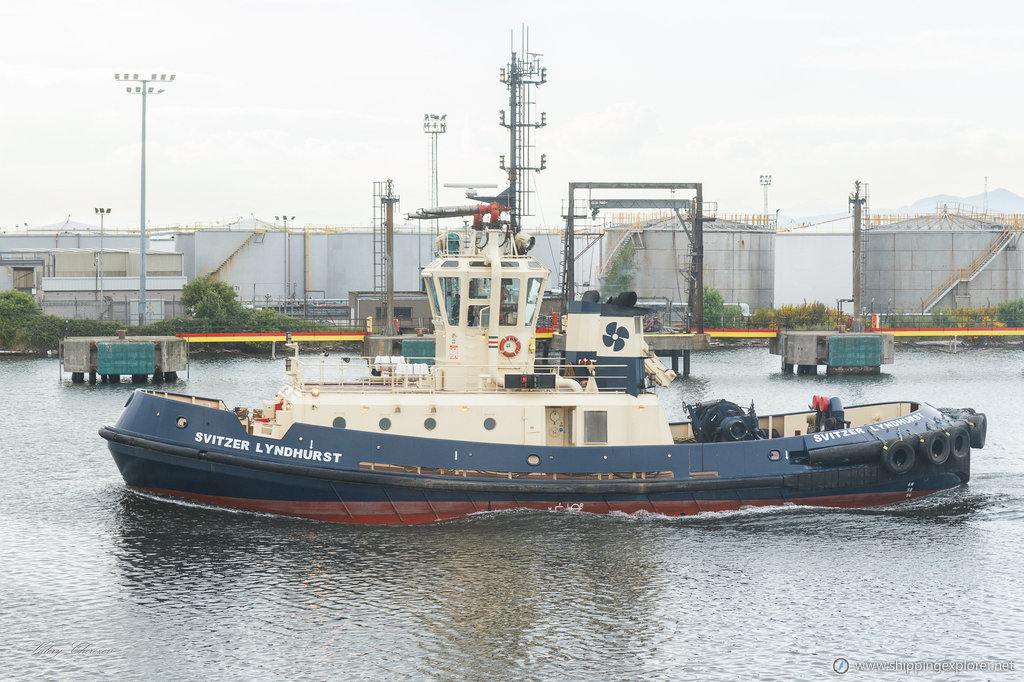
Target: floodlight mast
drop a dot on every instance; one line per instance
(143, 90)
(766, 181)
(433, 125)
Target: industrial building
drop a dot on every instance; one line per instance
(813, 266)
(739, 258)
(82, 282)
(955, 258)
(288, 269)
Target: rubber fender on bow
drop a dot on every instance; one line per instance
(977, 424)
(934, 446)
(852, 453)
(959, 442)
(898, 457)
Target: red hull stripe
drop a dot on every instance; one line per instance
(410, 513)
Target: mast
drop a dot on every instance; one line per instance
(521, 75)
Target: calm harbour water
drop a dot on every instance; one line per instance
(100, 582)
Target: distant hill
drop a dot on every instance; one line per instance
(999, 201)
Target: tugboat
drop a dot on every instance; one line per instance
(484, 425)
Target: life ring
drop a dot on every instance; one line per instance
(898, 457)
(510, 346)
(934, 447)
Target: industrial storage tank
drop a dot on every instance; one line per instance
(954, 258)
(739, 258)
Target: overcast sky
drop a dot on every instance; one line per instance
(298, 106)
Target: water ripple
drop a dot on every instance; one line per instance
(103, 582)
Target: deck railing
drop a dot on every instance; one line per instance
(413, 375)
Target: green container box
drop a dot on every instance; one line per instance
(126, 357)
(848, 350)
(418, 350)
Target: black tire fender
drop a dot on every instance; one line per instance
(934, 447)
(959, 442)
(898, 457)
(977, 425)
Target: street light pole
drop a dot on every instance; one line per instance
(433, 125)
(144, 89)
(101, 212)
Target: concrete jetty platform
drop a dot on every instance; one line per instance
(108, 358)
(840, 352)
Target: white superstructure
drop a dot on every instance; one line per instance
(484, 384)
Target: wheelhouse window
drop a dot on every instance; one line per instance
(452, 298)
(435, 308)
(532, 298)
(478, 315)
(509, 313)
(480, 287)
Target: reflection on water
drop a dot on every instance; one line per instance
(171, 590)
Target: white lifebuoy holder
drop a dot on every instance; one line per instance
(510, 346)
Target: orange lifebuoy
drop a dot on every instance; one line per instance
(509, 346)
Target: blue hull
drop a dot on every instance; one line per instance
(352, 476)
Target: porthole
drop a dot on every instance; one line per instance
(181, 422)
(430, 423)
(489, 423)
(774, 455)
(338, 423)
(384, 424)
(533, 460)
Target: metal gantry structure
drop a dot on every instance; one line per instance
(521, 75)
(145, 89)
(695, 207)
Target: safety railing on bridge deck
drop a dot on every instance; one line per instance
(416, 375)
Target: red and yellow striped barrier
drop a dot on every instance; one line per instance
(742, 333)
(954, 331)
(241, 337)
